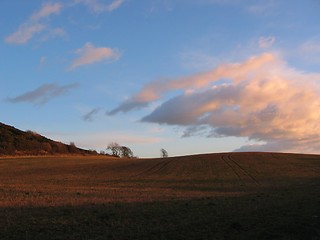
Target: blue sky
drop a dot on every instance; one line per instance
(190, 76)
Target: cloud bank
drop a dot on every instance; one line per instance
(262, 99)
(43, 94)
(90, 54)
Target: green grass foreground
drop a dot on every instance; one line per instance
(212, 196)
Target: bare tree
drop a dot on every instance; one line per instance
(120, 151)
(126, 152)
(163, 153)
(115, 149)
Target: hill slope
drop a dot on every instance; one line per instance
(16, 142)
(236, 196)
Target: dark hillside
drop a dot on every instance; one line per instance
(16, 142)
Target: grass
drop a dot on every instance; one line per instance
(213, 196)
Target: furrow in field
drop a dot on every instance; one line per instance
(233, 168)
(243, 170)
(153, 169)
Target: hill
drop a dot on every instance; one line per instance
(210, 196)
(16, 142)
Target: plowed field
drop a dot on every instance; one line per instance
(210, 196)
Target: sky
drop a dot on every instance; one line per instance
(189, 76)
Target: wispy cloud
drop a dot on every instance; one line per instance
(309, 51)
(266, 42)
(42, 61)
(215, 1)
(98, 7)
(25, 32)
(312, 46)
(197, 60)
(264, 7)
(90, 115)
(43, 93)
(261, 98)
(100, 139)
(90, 54)
(47, 10)
(115, 4)
(33, 25)
(53, 33)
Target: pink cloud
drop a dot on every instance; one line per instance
(101, 139)
(98, 7)
(47, 10)
(115, 4)
(261, 98)
(89, 54)
(33, 25)
(25, 33)
(154, 90)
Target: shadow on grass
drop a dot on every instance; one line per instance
(289, 213)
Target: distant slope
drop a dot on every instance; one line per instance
(245, 168)
(16, 142)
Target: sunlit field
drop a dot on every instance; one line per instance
(213, 196)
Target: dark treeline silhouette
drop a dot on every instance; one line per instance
(16, 142)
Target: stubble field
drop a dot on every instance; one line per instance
(211, 196)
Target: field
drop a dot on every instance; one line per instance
(211, 196)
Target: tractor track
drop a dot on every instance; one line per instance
(242, 174)
(244, 170)
(154, 168)
(224, 158)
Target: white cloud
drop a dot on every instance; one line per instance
(261, 98)
(89, 54)
(266, 42)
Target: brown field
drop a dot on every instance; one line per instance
(212, 196)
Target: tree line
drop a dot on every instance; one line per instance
(125, 152)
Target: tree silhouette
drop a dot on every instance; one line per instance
(126, 152)
(120, 151)
(115, 149)
(163, 153)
